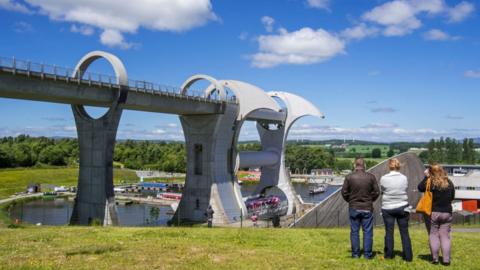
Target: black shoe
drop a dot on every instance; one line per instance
(434, 262)
(446, 263)
(355, 257)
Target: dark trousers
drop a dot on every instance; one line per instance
(364, 220)
(402, 217)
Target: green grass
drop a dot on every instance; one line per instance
(201, 248)
(16, 180)
(365, 149)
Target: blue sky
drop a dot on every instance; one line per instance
(404, 70)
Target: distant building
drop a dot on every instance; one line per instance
(341, 146)
(458, 169)
(33, 188)
(417, 149)
(467, 191)
(322, 172)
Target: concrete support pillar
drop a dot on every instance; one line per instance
(274, 140)
(209, 178)
(96, 138)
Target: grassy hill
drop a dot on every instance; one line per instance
(16, 180)
(202, 248)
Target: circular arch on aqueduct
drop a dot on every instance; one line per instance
(120, 76)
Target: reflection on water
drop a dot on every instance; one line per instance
(59, 210)
(301, 189)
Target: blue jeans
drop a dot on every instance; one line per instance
(402, 217)
(365, 220)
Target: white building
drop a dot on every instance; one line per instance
(467, 191)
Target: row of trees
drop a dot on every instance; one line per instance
(163, 156)
(304, 157)
(450, 151)
(25, 151)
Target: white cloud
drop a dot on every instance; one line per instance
(321, 4)
(83, 29)
(243, 35)
(400, 17)
(116, 17)
(358, 32)
(305, 46)
(383, 110)
(69, 128)
(268, 22)
(429, 6)
(22, 27)
(114, 38)
(472, 74)
(381, 125)
(438, 35)
(158, 131)
(14, 6)
(386, 132)
(376, 132)
(460, 12)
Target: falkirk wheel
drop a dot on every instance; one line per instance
(213, 159)
(211, 124)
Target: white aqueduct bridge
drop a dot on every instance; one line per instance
(211, 122)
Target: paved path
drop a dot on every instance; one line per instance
(20, 197)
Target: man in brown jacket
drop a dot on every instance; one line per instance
(360, 190)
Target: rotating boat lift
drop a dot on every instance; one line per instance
(212, 157)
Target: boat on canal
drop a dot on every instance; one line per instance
(317, 189)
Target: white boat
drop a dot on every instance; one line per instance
(60, 189)
(119, 189)
(459, 172)
(317, 189)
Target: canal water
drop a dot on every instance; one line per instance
(58, 211)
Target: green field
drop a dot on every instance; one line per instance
(202, 248)
(367, 149)
(16, 180)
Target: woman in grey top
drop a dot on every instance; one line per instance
(394, 187)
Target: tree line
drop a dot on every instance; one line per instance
(26, 151)
(450, 151)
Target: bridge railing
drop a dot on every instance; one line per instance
(54, 72)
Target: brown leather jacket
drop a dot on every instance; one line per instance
(360, 190)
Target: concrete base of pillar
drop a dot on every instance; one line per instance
(209, 179)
